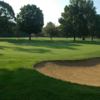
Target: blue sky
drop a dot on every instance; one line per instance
(51, 8)
(97, 5)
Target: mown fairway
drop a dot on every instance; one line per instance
(19, 81)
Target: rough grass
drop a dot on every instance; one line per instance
(18, 80)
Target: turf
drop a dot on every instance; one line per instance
(19, 80)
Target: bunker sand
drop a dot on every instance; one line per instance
(85, 72)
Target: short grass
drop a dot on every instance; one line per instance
(19, 81)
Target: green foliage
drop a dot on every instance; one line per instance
(79, 18)
(97, 28)
(7, 17)
(3, 24)
(30, 19)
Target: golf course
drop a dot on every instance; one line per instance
(20, 80)
(49, 50)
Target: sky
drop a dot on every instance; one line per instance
(52, 9)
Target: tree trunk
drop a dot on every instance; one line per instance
(83, 38)
(92, 37)
(30, 37)
(51, 38)
(74, 37)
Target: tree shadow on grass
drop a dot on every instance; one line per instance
(27, 50)
(1, 54)
(28, 84)
(1, 47)
(55, 44)
(33, 50)
(88, 42)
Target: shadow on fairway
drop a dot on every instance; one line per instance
(28, 50)
(22, 40)
(55, 44)
(28, 84)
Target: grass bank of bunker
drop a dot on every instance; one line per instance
(85, 72)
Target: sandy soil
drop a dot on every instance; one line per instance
(86, 72)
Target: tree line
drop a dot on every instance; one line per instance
(79, 20)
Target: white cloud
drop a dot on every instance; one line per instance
(51, 9)
(17, 4)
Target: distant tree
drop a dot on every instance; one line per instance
(59, 32)
(78, 18)
(90, 17)
(45, 34)
(7, 17)
(30, 19)
(50, 29)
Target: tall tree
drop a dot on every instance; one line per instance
(79, 18)
(7, 17)
(30, 19)
(97, 28)
(69, 21)
(89, 17)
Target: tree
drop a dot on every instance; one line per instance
(6, 10)
(89, 15)
(7, 17)
(97, 28)
(68, 21)
(50, 29)
(30, 19)
(78, 18)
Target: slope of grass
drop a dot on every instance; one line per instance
(18, 80)
(27, 84)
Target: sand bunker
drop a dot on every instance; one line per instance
(86, 72)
